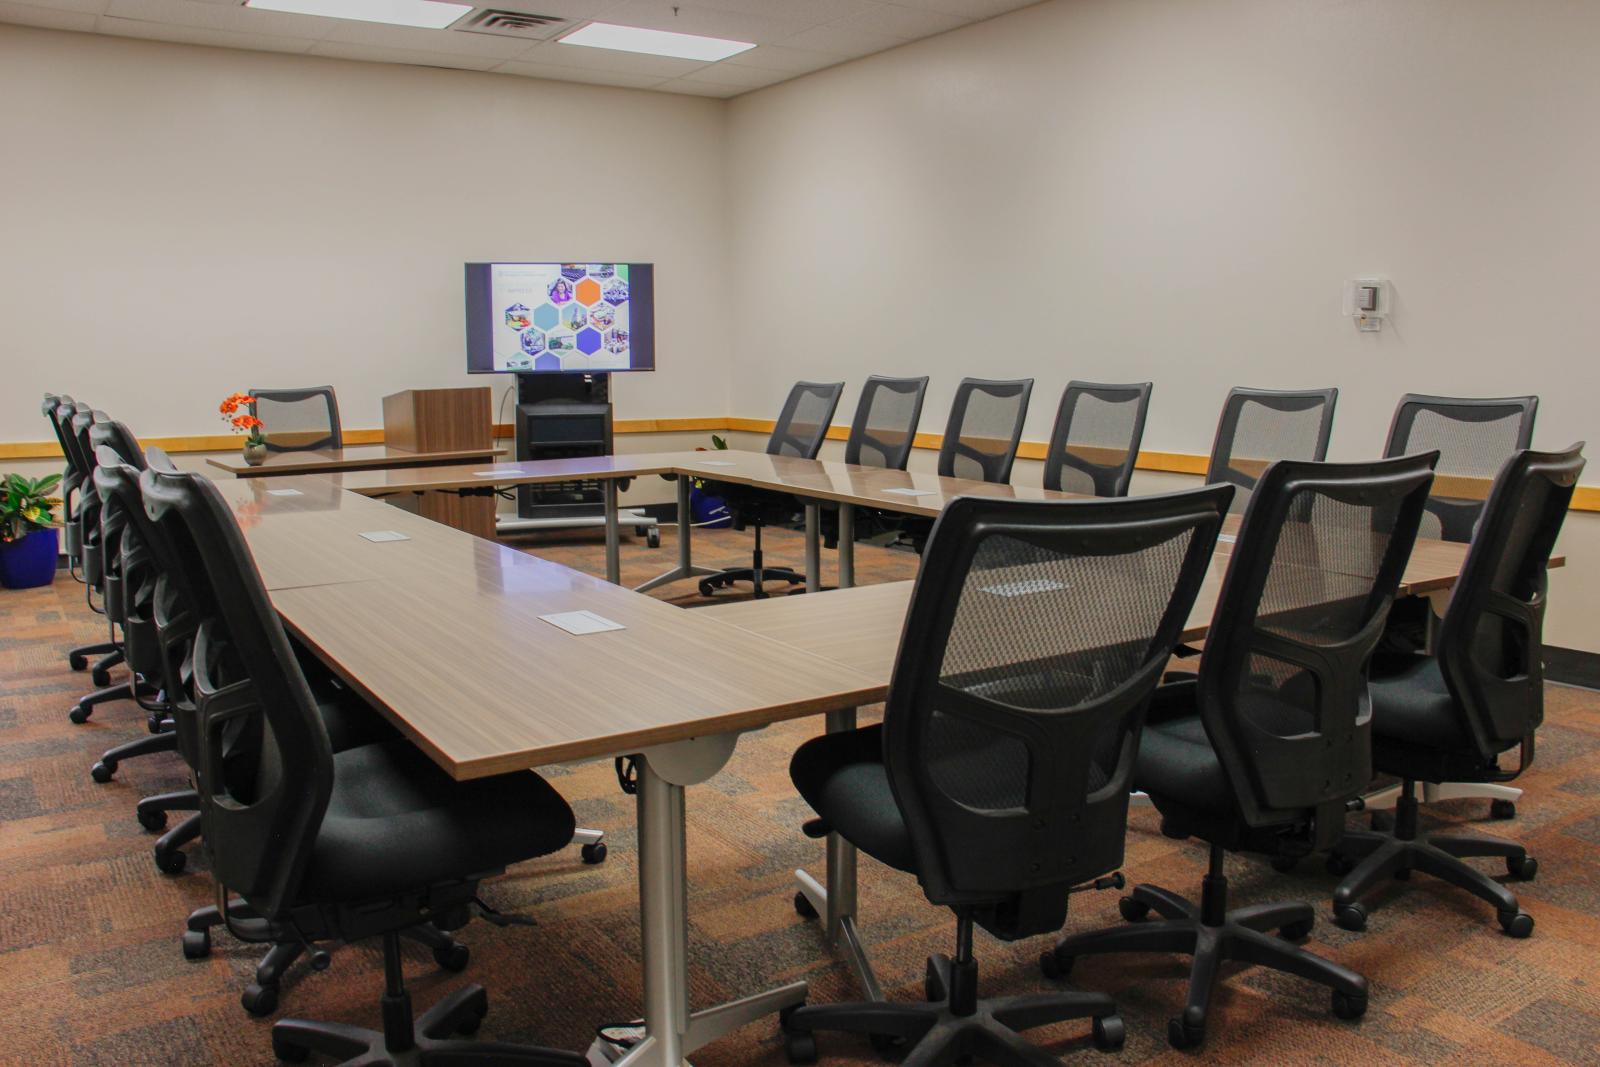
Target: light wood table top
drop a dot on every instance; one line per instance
(526, 472)
(357, 457)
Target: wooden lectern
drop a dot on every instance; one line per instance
(442, 420)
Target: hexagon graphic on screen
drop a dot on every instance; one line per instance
(616, 291)
(517, 317)
(532, 342)
(602, 316)
(588, 291)
(560, 291)
(617, 341)
(589, 342)
(574, 316)
(547, 362)
(573, 271)
(546, 317)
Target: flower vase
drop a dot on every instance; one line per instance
(255, 453)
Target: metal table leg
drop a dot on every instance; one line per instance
(847, 546)
(685, 568)
(672, 1032)
(813, 547)
(613, 535)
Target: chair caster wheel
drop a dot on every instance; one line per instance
(171, 862)
(1350, 917)
(1349, 1005)
(288, 1051)
(259, 1000)
(800, 1046)
(1338, 865)
(452, 957)
(707, 589)
(1523, 868)
(196, 944)
(1296, 931)
(1055, 967)
(1181, 1034)
(1518, 924)
(153, 821)
(593, 853)
(886, 1045)
(803, 906)
(80, 714)
(472, 1022)
(77, 662)
(1133, 910)
(154, 723)
(1503, 809)
(653, 539)
(103, 771)
(1108, 1034)
(101, 679)
(1285, 864)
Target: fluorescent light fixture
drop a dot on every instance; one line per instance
(424, 14)
(655, 42)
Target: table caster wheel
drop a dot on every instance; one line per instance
(653, 539)
(1350, 916)
(452, 957)
(171, 861)
(1518, 924)
(1109, 1033)
(153, 821)
(103, 771)
(1054, 966)
(196, 944)
(1133, 909)
(1503, 809)
(80, 714)
(1523, 868)
(1349, 1005)
(1296, 931)
(803, 906)
(593, 853)
(259, 1000)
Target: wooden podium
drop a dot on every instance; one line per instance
(443, 420)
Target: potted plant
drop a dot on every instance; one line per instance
(705, 508)
(239, 412)
(28, 543)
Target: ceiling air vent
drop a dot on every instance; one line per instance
(512, 24)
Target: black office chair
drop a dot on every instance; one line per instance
(801, 428)
(371, 841)
(882, 434)
(999, 776)
(1260, 426)
(1449, 716)
(1096, 438)
(82, 517)
(985, 428)
(57, 409)
(299, 420)
(1267, 747)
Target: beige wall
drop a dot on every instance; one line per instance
(180, 222)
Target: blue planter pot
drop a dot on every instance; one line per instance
(707, 510)
(29, 562)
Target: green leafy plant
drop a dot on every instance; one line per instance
(26, 505)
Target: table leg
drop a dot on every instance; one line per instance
(847, 546)
(685, 567)
(672, 1032)
(813, 547)
(613, 535)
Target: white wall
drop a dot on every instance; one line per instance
(178, 222)
(1177, 191)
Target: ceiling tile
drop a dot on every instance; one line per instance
(154, 31)
(413, 39)
(95, 7)
(683, 85)
(969, 9)
(740, 77)
(378, 54)
(50, 18)
(616, 78)
(907, 22)
(234, 18)
(706, 21)
(843, 40)
(781, 57)
(571, 55)
(808, 12)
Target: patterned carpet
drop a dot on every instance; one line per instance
(92, 973)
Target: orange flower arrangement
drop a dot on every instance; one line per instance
(247, 423)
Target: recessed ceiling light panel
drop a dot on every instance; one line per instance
(424, 14)
(654, 42)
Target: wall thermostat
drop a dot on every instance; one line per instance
(1367, 301)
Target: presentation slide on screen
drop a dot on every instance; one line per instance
(560, 316)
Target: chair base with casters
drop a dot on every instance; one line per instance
(757, 574)
(953, 1023)
(1370, 858)
(1212, 935)
(152, 813)
(106, 767)
(110, 654)
(133, 689)
(432, 1039)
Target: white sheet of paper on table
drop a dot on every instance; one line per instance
(910, 492)
(284, 492)
(581, 622)
(385, 535)
(1227, 539)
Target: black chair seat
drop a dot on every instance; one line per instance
(349, 721)
(396, 821)
(1177, 765)
(1412, 705)
(843, 778)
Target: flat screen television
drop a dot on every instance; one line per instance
(563, 318)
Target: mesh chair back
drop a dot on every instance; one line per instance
(803, 423)
(1096, 438)
(980, 441)
(1261, 426)
(113, 440)
(1036, 633)
(88, 512)
(299, 420)
(1283, 683)
(54, 409)
(264, 770)
(1490, 645)
(885, 425)
(1474, 438)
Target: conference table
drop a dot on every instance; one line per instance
(355, 457)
